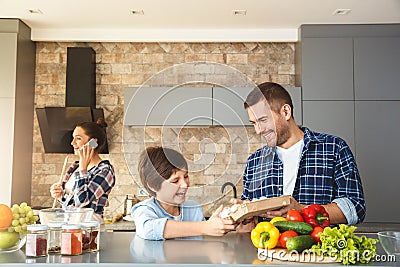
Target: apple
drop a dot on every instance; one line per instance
(8, 240)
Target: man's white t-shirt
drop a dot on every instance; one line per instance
(290, 158)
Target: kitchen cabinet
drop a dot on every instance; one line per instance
(337, 119)
(192, 106)
(327, 68)
(378, 158)
(228, 108)
(17, 87)
(7, 74)
(159, 106)
(377, 68)
(349, 78)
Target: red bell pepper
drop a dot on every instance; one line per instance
(316, 215)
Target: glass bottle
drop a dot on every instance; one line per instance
(71, 239)
(55, 229)
(90, 236)
(36, 240)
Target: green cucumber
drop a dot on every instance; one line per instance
(299, 243)
(299, 227)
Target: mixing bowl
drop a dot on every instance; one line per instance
(390, 241)
(10, 240)
(69, 215)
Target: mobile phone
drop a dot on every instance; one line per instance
(92, 143)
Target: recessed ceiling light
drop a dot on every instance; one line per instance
(137, 12)
(35, 11)
(341, 11)
(239, 12)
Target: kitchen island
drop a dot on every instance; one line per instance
(122, 248)
(365, 227)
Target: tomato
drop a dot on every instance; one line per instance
(315, 233)
(285, 236)
(294, 215)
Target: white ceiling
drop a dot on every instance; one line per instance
(189, 20)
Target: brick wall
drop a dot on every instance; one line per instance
(119, 65)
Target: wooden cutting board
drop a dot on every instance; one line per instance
(281, 254)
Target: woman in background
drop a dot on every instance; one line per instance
(88, 182)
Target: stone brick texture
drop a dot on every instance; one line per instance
(215, 154)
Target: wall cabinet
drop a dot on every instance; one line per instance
(192, 106)
(17, 87)
(377, 68)
(337, 119)
(327, 68)
(349, 78)
(158, 106)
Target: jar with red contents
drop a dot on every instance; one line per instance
(36, 240)
(71, 239)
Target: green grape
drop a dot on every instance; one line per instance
(29, 214)
(21, 211)
(15, 209)
(24, 227)
(35, 218)
(23, 205)
(21, 221)
(15, 216)
(15, 222)
(18, 229)
(10, 229)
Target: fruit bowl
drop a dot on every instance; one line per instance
(70, 215)
(390, 241)
(10, 240)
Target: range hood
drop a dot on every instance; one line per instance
(57, 123)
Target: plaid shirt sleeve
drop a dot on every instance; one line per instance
(348, 181)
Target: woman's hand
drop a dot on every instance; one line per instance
(217, 226)
(85, 156)
(56, 190)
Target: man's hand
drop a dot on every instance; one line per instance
(282, 212)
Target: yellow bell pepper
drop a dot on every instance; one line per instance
(265, 235)
(277, 219)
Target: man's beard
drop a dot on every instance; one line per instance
(282, 133)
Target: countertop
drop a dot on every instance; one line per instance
(122, 248)
(367, 227)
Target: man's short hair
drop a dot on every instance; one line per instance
(275, 95)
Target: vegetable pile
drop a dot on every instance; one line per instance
(309, 230)
(342, 244)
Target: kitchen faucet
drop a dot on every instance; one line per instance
(233, 187)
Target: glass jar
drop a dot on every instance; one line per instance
(90, 236)
(71, 239)
(55, 229)
(36, 240)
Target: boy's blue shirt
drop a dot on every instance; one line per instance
(150, 218)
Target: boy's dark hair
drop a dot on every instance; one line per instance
(157, 164)
(273, 93)
(95, 130)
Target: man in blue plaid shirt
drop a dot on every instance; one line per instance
(311, 167)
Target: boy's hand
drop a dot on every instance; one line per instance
(217, 226)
